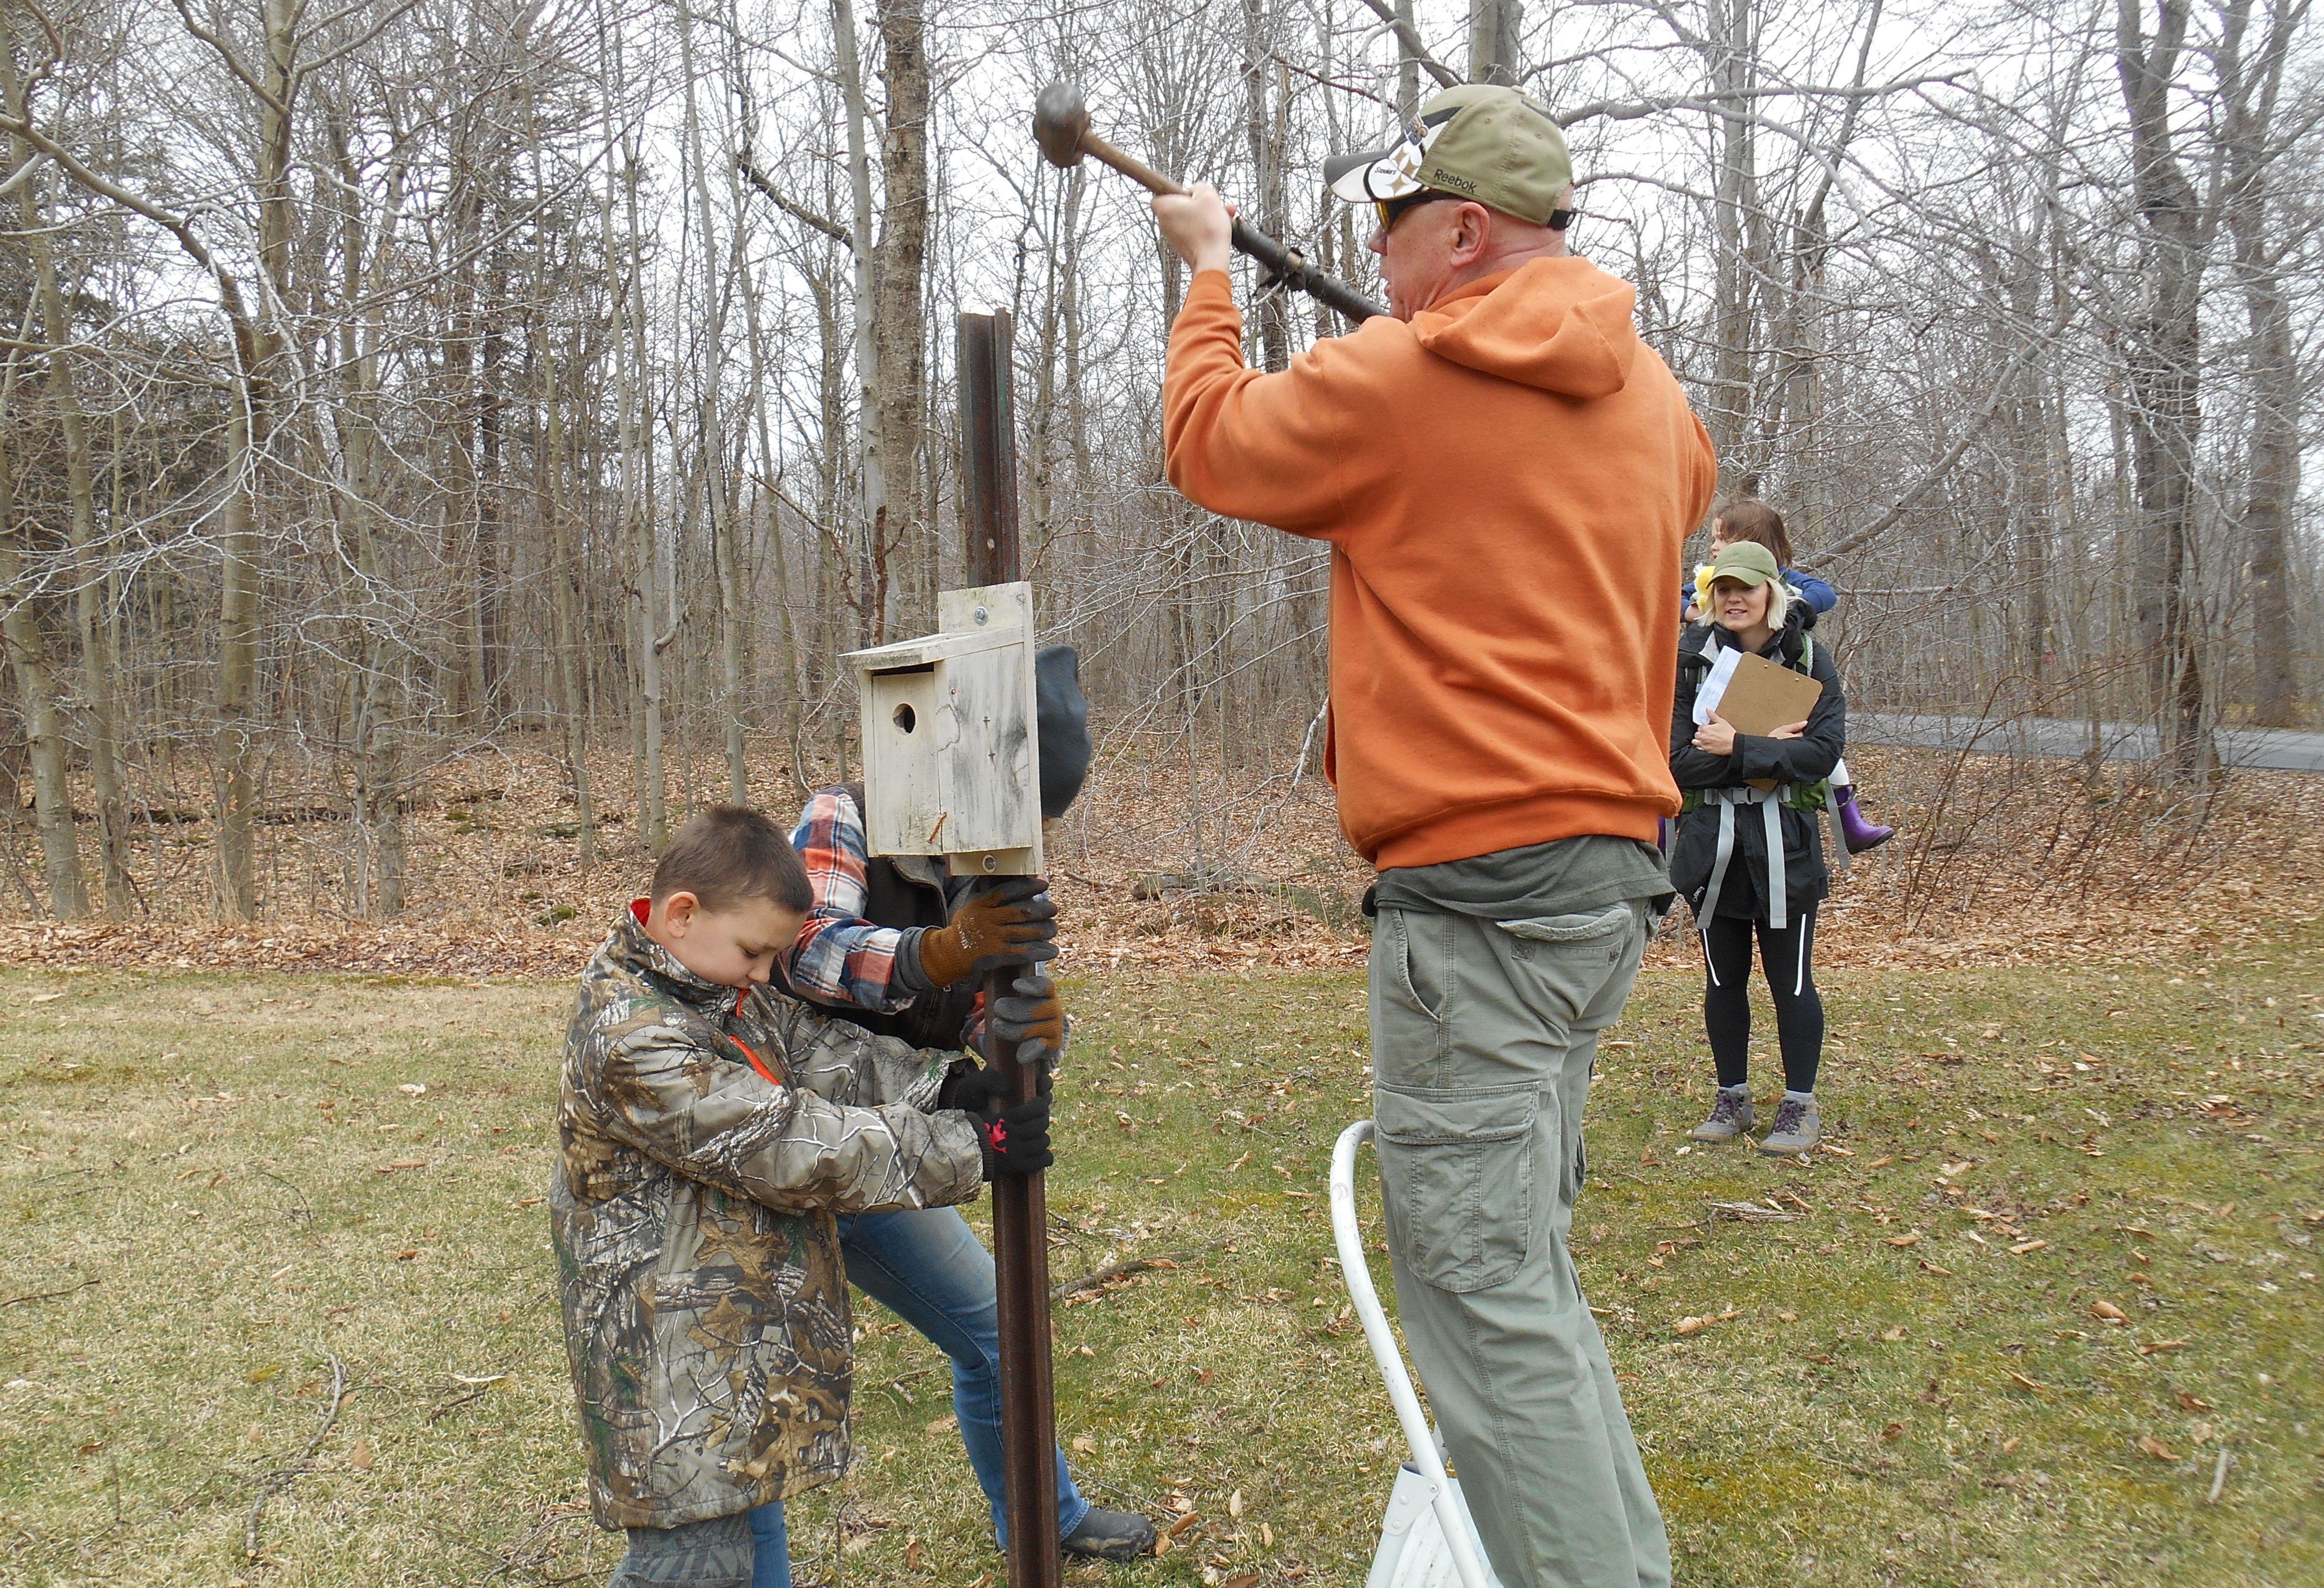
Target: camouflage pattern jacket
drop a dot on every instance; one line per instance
(705, 1298)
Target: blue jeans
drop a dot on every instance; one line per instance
(772, 1567)
(926, 1265)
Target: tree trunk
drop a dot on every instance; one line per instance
(378, 685)
(898, 324)
(563, 574)
(1407, 67)
(836, 572)
(793, 686)
(484, 664)
(769, 467)
(725, 553)
(246, 436)
(1273, 311)
(88, 571)
(638, 551)
(1733, 72)
(1041, 421)
(869, 410)
(2163, 374)
(238, 679)
(1493, 52)
(2271, 484)
(2273, 487)
(1077, 398)
(20, 631)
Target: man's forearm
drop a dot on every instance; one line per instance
(846, 959)
(1285, 450)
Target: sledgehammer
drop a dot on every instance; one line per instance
(1061, 126)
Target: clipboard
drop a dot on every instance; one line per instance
(1762, 696)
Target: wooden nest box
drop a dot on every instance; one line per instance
(951, 763)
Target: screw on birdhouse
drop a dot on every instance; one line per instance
(993, 863)
(980, 615)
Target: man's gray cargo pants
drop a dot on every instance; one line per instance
(1483, 1037)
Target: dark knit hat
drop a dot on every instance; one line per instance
(1064, 726)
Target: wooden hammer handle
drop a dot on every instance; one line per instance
(1282, 263)
(1128, 166)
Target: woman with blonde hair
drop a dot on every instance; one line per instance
(1748, 854)
(1746, 518)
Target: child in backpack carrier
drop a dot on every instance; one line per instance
(1749, 518)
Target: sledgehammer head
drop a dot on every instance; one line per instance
(1059, 120)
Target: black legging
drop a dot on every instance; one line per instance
(1727, 996)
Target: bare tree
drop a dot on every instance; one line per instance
(390, 389)
(2164, 362)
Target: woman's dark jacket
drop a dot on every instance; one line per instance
(1800, 762)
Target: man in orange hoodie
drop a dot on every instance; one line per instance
(1504, 472)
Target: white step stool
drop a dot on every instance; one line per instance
(1426, 1538)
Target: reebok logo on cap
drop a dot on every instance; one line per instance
(1480, 140)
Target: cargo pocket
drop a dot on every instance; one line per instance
(1457, 1163)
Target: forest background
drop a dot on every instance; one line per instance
(442, 443)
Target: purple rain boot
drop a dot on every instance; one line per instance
(1859, 833)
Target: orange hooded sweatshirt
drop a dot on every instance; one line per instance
(1505, 482)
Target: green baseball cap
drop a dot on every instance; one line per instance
(1746, 562)
(1480, 140)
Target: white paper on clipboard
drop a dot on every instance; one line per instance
(1714, 684)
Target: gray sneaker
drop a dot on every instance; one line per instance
(1797, 1130)
(1731, 1117)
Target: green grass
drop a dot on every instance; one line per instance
(168, 1164)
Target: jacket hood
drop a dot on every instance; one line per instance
(1561, 325)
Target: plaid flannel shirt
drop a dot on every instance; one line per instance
(840, 957)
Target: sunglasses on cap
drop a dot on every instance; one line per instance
(1392, 210)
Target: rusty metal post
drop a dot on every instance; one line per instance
(1021, 1209)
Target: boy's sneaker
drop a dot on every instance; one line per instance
(1731, 1117)
(1110, 1534)
(1797, 1130)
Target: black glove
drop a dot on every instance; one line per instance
(971, 1088)
(1015, 1138)
(967, 1086)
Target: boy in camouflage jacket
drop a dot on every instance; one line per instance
(708, 1131)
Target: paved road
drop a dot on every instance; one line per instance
(2262, 749)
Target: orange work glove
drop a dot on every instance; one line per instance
(1013, 924)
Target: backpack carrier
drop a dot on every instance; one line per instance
(1818, 796)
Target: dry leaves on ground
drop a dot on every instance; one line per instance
(1155, 874)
